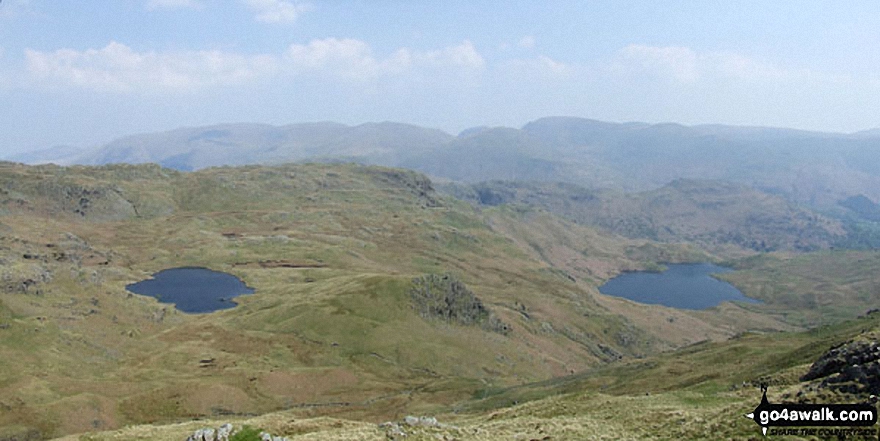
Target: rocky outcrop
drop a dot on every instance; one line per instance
(228, 432)
(268, 437)
(417, 184)
(447, 298)
(410, 425)
(21, 434)
(26, 279)
(57, 192)
(852, 368)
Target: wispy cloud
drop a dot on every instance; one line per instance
(118, 68)
(679, 63)
(14, 8)
(277, 11)
(685, 65)
(153, 5)
(527, 42)
(354, 59)
(4, 82)
(540, 67)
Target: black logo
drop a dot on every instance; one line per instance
(812, 415)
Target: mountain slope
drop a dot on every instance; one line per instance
(712, 213)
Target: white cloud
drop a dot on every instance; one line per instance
(343, 57)
(527, 42)
(118, 68)
(277, 11)
(153, 5)
(354, 59)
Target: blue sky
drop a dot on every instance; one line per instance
(84, 72)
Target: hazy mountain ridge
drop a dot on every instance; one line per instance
(240, 144)
(815, 168)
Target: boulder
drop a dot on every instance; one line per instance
(224, 432)
(853, 368)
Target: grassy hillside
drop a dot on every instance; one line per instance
(333, 328)
(815, 288)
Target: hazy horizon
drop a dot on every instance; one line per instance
(101, 143)
(84, 74)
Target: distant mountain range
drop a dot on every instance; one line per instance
(819, 169)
